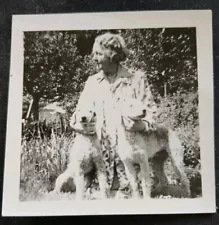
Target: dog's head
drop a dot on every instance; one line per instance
(84, 119)
(134, 109)
(87, 117)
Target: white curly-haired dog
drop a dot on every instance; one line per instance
(85, 155)
(138, 147)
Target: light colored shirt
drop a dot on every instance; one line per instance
(105, 97)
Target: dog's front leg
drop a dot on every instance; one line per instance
(145, 177)
(104, 187)
(102, 178)
(80, 184)
(132, 177)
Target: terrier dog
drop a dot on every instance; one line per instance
(85, 155)
(138, 147)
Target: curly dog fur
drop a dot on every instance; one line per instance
(138, 147)
(85, 155)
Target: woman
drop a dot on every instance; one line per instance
(105, 91)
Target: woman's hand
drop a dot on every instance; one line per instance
(137, 125)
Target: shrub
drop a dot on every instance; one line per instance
(180, 112)
(42, 160)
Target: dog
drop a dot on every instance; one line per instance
(139, 147)
(85, 155)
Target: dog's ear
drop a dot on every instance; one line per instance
(73, 120)
(93, 117)
(127, 121)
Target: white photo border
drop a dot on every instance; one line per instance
(202, 21)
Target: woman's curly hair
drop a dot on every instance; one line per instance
(114, 45)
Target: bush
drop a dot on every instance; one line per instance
(180, 112)
(42, 160)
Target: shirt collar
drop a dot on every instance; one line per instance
(122, 72)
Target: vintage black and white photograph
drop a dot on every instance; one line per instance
(76, 79)
(112, 113)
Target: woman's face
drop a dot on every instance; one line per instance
(101, 58)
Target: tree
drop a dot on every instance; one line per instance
(51, 65)
(167, 55)
(178, 63)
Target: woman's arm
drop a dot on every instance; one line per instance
(146, 97)
(143, 93)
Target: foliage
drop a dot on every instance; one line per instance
(50, 59)
(42, 160)
(168, 56)
(180, 112)
(52, 66)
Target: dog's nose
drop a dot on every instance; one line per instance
(83, 118)
(144, 111)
